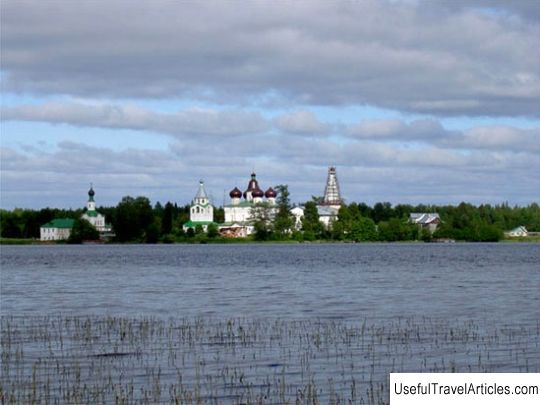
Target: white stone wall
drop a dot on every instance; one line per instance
(201, 213)
(237, 214)
(54, 233)
(98, 221)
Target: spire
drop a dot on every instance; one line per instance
(331, 191)
(201, 193)
(201, 197)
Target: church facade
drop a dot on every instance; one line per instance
(201, 212)
(93, 216)
(60, 228)
(239, 214)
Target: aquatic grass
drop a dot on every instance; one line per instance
(122, 360)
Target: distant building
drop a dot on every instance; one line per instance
(429, 221)
(93, 216)
(239, 213)
(519, 232)
(57, 229)
(201, 211)
(331, 203)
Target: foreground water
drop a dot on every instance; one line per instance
(260, 323)
(346, 282)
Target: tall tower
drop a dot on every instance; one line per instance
(331, 191)
(91, 204)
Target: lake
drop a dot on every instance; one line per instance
(322, 322)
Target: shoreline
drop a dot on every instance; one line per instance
(242, 241)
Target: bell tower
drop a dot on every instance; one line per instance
(91, 204)
(332, 195)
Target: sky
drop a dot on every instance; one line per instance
(413, 101)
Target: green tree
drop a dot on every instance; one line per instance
(311, 224)
(133, 218)
(342, 227)
(382, 212)
(396, 229)
(284, 220)
(167, 219)
(363, 230)
(199, 230)
(261, 215)
(152, 232)
(212, 231)
(83, 230)
(10, 225)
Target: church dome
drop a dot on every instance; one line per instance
(91, 192)
(235, 193)
(257, 193)
(253, 184)
(270, 193)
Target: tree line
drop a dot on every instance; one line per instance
(135, 219)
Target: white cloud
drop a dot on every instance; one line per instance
(409, 56)
(77, 63)
(302, 123)
(394, 129)
(497, 138)
(193, 121)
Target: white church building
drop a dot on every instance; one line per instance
(93, 216)
(239, 213)
(60, 228)
(201, 211)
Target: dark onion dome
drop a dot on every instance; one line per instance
(270, 193)
(257, 193)
(91, 192)
(253, 184)
(235, 193)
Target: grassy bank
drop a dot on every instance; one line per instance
(14, 241)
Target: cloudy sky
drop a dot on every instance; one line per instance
(412, 101)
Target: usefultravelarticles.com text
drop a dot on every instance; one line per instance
(464, 388)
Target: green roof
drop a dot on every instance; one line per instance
(242, 204)
(193, 224)
(64, 223)
(92, 213)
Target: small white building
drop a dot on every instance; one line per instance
(519, 232)
(93, 216)
(201, 211)
(429, 221)
(57, 229)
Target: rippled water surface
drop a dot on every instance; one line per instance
(341, 281)
(310, 324)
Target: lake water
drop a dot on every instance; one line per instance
(262, 323)
(330, 281)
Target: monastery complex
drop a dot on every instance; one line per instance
(240, 213)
